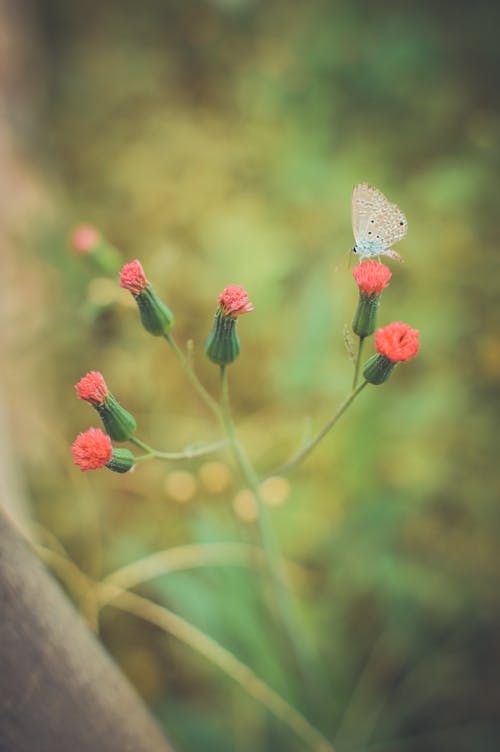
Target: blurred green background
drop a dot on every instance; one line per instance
(218, 141)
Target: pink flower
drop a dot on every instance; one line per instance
(84, 238)
(92, 388)
(132, 277)
(92, 450)
(233, 301)
(372, 277)
(397, 341)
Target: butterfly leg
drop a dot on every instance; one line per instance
(392, 254)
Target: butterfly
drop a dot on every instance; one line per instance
(376, 223)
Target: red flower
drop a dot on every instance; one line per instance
(397, 341)
(132, 277)
(233, 301)
(92, 388)
(84, 238)
(372, 277)
(92, 449)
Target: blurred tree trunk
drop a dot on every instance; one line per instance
(59, 689)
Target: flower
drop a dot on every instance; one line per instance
(233, 301)
(371, 277)
(156, 318)
(222, 345)
(84, 239)
(92, 388)
(397, 341)
(132, 277)
(118, 422)
(92, 449)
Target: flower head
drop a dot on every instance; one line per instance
(233, 301)
(119, 423)
(156, 318)
(92, 388)
(372, 277)
(84, 239)
(397, 341)
(92, 449)
(132, 277)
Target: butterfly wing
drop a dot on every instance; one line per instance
(376, 223)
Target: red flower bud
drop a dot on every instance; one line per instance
(372, 277)
(397, 341)
(92, 449)
(92, 388)
(233, 301)
(132, 277)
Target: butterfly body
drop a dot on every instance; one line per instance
(376, 223)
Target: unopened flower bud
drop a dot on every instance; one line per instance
(222, 345)
(372, 278)
(86, 240)
(122, 460)
(395, 343)
(156, 318)
(93, 449)
(119, 423)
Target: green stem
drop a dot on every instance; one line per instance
(358, 363)
(193, 378)
(186, 454)
(273, 559)
(309, 445)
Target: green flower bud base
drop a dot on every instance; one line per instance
(121, 461)
(223, 345)
(119, 424)
(365, 318)
(156, 318)
(378, 369)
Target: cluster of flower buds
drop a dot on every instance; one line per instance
(394, 343)
(93, 449)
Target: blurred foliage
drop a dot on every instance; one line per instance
(218, 141)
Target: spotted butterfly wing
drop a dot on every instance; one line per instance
(376, 223)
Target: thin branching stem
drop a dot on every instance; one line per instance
(185, 454)
(358, 363)
(193, 378)
(307, 448)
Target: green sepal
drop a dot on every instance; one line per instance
(365, 318)
(378, 369)
(156, 318)
(119, 424)
(122, 460)
(222, 345)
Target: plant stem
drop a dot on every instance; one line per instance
(273, 559)
(309, 445)
(186, 454)
(193, 378)
(358, 363)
